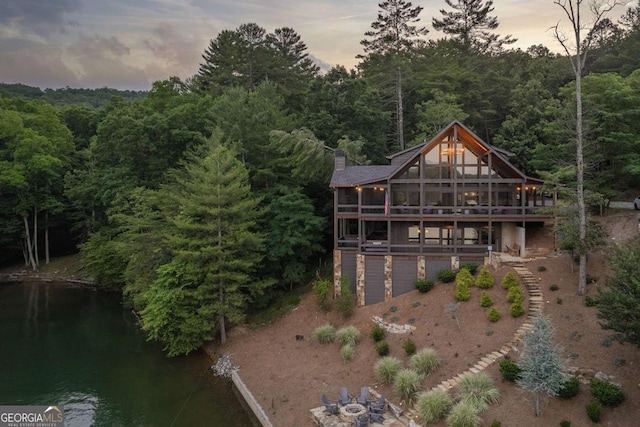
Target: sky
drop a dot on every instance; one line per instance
(129, 44)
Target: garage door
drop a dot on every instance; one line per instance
(433, 266)
(404, 274)
(349, 269)
(373, 280)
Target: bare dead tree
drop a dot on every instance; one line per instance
(576, 47)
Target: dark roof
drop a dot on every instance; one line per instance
(359, 175)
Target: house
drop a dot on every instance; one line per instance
(451, 200)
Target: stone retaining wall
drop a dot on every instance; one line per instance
(261, 416)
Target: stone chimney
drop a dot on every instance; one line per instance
(340, 160)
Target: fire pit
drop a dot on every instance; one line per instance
(352, 410)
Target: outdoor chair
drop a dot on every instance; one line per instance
(375, 417)
(343, 396)
(330, 406)
(378, 406)
(362, 421)
(363, 399)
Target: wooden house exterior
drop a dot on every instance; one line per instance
(451, 200)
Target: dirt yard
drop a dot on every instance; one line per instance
(289, 375)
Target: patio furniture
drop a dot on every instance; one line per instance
(343, 396)
(330, 406)
(362, 421)
(363, 399)
(375, 417)
(378, 406)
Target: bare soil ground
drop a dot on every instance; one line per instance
(288, 375)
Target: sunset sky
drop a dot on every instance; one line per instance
(129, 44)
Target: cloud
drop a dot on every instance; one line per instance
(173, 52)
(37, 16)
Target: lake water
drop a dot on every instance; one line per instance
(80, 349)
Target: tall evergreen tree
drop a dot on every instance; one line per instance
(393, 35)
(471, 26)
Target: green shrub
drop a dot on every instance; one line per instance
(385, 369)
(606, 393)
(594, 410)
(553, 287)
(425, 361)
(542, 268)
(478, 391)
(382, 348)
(559, 301)
(565, 423)
(325, 334)
(348, 351)
(569, 388)
(463, 414)
(433, 405)
(486, 300)
(509, 280)
(446, 276)
(377, 333)
(516, 309)
(494, 315)
(485, 279)
(590, 301)
(424, 285)
(472, 267)
(510, 370)
(321, 289)
(406, 384)
(464, 281)
(345, 303)
(348, 335)
(496, 423)
(515, 294)
(409, 347)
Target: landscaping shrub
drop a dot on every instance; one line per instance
(463, 414)
(348, 335)
(377, 333)
(509, 280)
(347, 352)
(409, 347)
(424, 285)
(345, 302)
(590, 301)
(494, 315)
(446, 276)
(406, 384)
(382, 348)
(510, 370)
(496, 423)
(516, 309)
(478, 391)
(594, 410)
(515, 294)
(322, 289)
(433, 405)
(542, 268)
(485, 279)
(606, 393)
(565, 423)
(463, 282)
(553, 287)
(569, 389)
(425, 361)
(385, 369)
(325, 334)
(472, 267)
(486, 300)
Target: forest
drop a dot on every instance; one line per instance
(204, 198)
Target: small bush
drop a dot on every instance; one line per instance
(515, 294)
(494, 315)
(406, 384)
(606, 341)
(409, 347)
(478, 391)
(377, 333)
(425, 361)
(345, 302)
(619, 361)
(594, 410)
(382, 348)
(348, 335)
(446, 276)
(486, 300)
(569, 389)
(485, 279)
(385, 369)
(565, 423)
(348, 351)
(321, 289)
(553, 287)
(590, 301)
(325, 334)
(496, 423)
(542, 268)
(516, 309)
(463, 414)
(424, 285)
(510, 370)
(606, 393)
(433, 405)
(463, 281)
(509, 280)
(559, 301)
(472, 267)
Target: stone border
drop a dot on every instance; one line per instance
(393, 328)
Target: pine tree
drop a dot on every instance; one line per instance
(541, 362)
